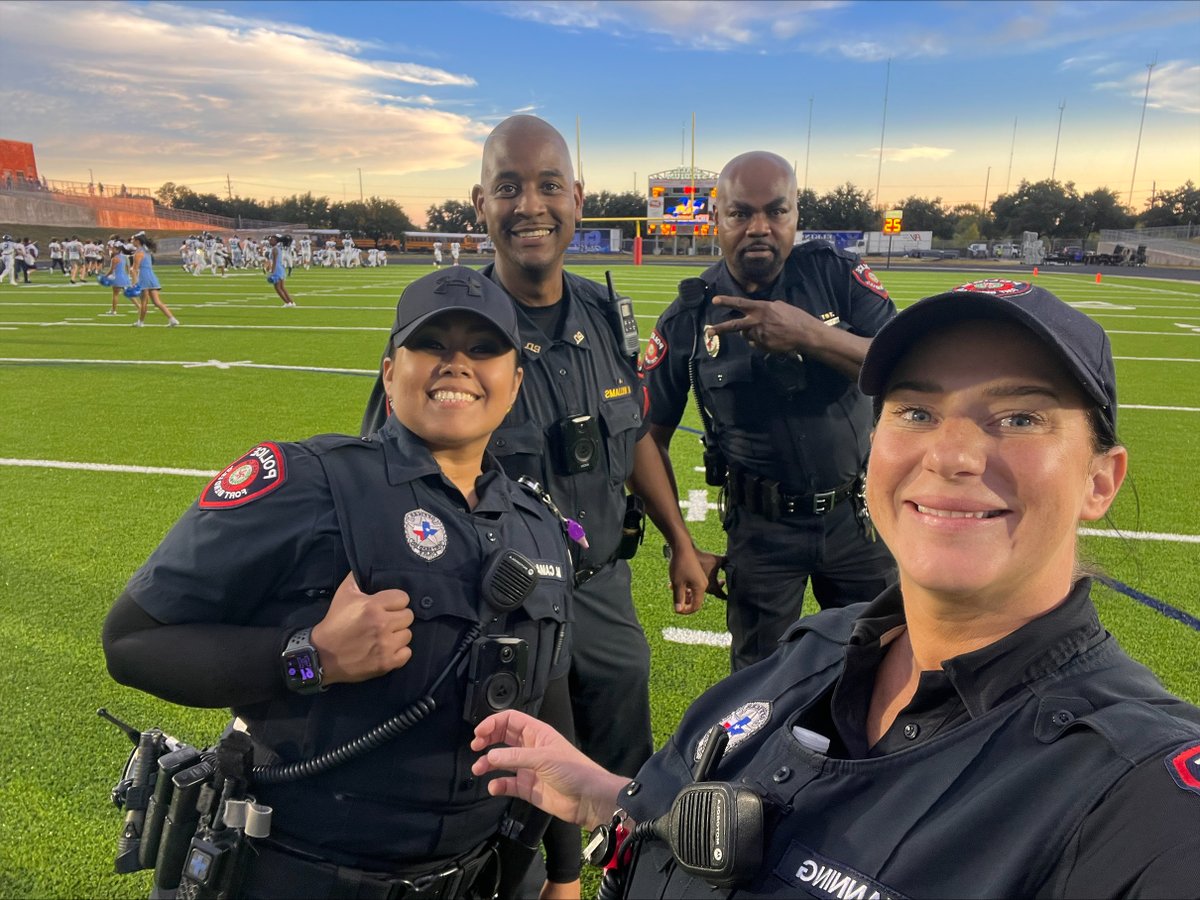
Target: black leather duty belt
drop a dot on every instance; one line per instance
(475, 875)
(761, 495)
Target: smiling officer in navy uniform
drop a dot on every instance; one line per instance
(375, 557)
(974, 731)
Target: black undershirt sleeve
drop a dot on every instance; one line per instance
(200, 664)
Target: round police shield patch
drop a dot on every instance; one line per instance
(425, 533)
(1001, 287)
(740, 724)
(255, 475)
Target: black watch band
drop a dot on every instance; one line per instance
(302, 664)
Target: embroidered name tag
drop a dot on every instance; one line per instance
(822, 877)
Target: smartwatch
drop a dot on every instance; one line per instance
(301, 663)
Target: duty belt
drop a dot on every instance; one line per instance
(761, 495)
(474, 875)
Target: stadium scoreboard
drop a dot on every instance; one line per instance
(681, 206)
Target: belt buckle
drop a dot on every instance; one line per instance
(824, 502)
(417, 887)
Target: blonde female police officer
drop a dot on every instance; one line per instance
(973, 731)
(373, 554)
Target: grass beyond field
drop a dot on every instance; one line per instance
(109, 432)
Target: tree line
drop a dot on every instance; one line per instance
(1051, 208)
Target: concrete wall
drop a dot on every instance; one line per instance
(31, 208)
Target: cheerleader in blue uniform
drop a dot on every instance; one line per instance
(117, 276)
(145, 281)
(279, 245)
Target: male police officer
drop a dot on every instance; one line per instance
(772, 343)
(577, 429)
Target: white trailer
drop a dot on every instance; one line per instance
(875, 243)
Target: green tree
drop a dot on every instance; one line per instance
(610, 205)
(847, 207)
(452, 216)
(923, 214)
(1102, 208)
(1047, 207)
(808, 206)
(1180, 206)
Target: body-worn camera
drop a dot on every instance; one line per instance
(576, 444)
(497, 676)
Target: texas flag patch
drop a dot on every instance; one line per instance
(740, 724)
(868, 279)
(255, 475)
(1184, 766)
(425, 533)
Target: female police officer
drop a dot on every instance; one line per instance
(389, 559)
(974, 731)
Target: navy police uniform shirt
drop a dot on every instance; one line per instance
(810, 440)
(268, 543)
(577, 372)
(1046, 764)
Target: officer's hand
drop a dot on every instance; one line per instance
(770, 326)
(714, 567)
(362, 635)
(549, 771)
(689, 580)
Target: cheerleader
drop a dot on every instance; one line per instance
(117, 276)
(145, 281)
(279, 244)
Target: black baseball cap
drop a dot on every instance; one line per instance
(1078, 340)
(457, 288)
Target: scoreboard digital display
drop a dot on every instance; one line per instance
(684, 204)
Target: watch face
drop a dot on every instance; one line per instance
(300, 667)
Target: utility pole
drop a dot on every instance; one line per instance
(228, 187)
(1054, 165)
(360, 190)
(986, 182)
(1133, 177)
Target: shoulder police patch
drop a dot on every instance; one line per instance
(1184, 766)
(740, 724)
(255, 475)
(868, 279)
(656, 350)
(425, 533)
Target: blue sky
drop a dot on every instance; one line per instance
(287, 97)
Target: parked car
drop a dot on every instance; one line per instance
(978, 251)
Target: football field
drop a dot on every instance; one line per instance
(108, 432)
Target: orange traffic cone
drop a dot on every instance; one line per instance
(1035, 271)
(1097, 278)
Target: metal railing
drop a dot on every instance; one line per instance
(1142, 235)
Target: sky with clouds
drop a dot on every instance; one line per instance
(284, 97)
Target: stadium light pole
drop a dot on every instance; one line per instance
(808, 146)
(882, 128)
(1138, 149)
(1011, 150)
(1054, 165)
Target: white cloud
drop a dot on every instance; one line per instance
(251, 93)
(906, 154)
(1174, 86)
(698, 24)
